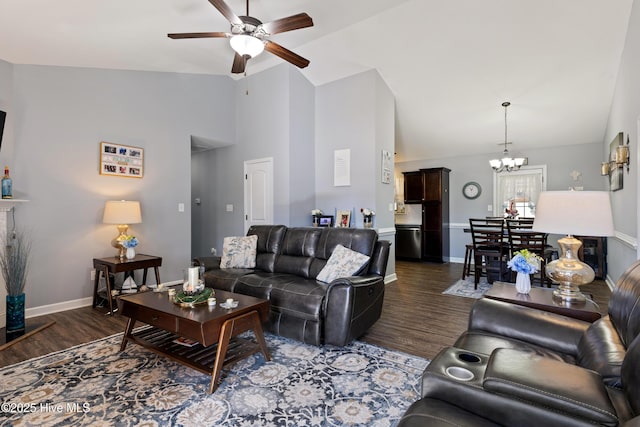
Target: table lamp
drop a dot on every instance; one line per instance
(122, 213)
(575, 213)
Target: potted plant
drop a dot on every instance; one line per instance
(14, 262)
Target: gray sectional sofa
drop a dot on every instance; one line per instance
(287, 263)
(518, 366)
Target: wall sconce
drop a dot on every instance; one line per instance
(621, 159)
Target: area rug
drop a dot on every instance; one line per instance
(303, 385)
(465, 288)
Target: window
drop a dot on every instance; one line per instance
(519, 190)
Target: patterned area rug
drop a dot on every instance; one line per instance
(465, 288)
(303, 385)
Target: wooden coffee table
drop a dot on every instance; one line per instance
(212, 327)
(542, 299)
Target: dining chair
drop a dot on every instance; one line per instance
(523, 237)
(524, 223)
(468, 256)
(489, 249)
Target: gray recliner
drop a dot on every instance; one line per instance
(530, 367)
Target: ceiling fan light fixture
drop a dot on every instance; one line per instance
(245, 44)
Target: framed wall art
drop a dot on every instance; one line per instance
(387, 166)
(121, 160)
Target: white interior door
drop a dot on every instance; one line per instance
(258, 192)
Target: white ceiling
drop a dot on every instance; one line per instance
(450, 64)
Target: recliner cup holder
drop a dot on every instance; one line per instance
(469, 358)
(458, 373)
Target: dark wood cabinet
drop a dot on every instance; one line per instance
(435, 214)
(594, 253)
(413, 188)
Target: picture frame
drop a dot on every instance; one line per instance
(387, 164)
(325, 221)
(615, 175)
(343, 218)
(121, 160)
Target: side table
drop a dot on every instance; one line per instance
(115, 265)
(542, 299)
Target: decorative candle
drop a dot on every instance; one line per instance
(193, 277)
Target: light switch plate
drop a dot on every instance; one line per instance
(229, 208)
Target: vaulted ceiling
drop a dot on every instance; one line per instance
(450, 64)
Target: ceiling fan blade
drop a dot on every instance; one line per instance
(197, 35)
(239, 63)
(226, 11)
(286, 54)
(294, 22)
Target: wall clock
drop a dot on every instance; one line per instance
(471, 190)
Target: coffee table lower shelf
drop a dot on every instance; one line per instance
(197, 356)
(208, 360)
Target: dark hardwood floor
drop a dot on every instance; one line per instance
(416, 319)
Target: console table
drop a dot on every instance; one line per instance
(542, 299)
(115, 265)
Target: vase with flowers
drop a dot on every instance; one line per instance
(524, 263)
(315, 216)
(367, 217)
(130, 243)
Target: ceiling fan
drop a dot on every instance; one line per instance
(249, 36)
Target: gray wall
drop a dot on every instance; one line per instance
(625, 117)
(285, 117)
(355, 113)
(60, 115)
(560, 161)
(302, 165)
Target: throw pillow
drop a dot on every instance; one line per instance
(239, 252)
(343, 262)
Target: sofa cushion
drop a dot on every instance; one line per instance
(360, 240)
(239, 252)
(224, 278)
(298, 250)
(343, 263)
(269, 244)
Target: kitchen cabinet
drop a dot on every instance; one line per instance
(413, 188)
(435, 214)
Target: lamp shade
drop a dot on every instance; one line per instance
(122, 212)
(578, 213)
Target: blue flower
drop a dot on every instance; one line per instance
(130, 242)
(524, 262)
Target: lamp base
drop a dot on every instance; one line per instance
(569, 272)
(569, 294)
(117, 241)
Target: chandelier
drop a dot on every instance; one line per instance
(507, 163)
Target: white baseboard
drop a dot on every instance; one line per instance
(55, 308)
(390, 278)
(70, 305)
